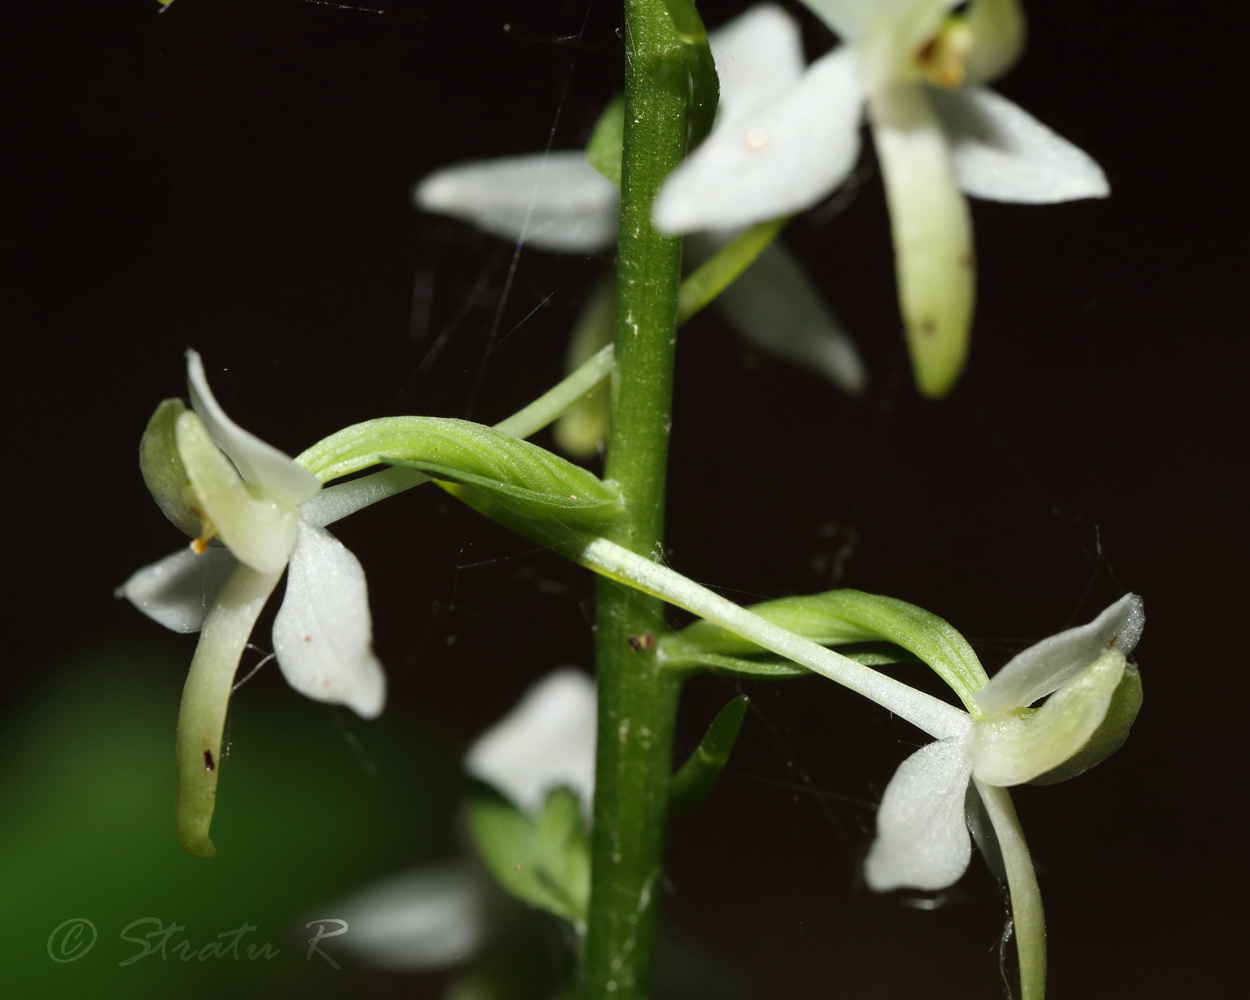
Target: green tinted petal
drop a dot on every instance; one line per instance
(1012, 749)
(258, 530)
(1108, 737)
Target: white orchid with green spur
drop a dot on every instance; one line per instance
(1000, 740)
(558, 201)
(239, 499)
(254, 513)
(917, 67)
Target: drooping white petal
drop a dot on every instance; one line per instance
(432, 917)
(177, 591)
(1002, 153)
(546, 741)
(922, 837)
(770, 160)
(555, 201)
(259, 530)
(323, 635)
(1043, 667)
(933, 255)
(757, 55)
(261, 464)
(1012, 749)
(774, 306)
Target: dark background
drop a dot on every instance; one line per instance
(236, 177)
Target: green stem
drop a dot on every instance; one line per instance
(637, 699)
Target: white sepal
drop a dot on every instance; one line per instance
(323, 635)
(774, 306)
(260, 463)
(554, 201)
(922, 836)
(758, 56)
(433, 917)
(1002, 153)
(766, 161)
(1046, 665)
(177, 591)
(547, 740)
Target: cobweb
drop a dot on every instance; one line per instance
(295, 132)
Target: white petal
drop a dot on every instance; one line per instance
(770, 160)
(774, 306)
(323, 634)
(851, 18)
(555, 201)
(1043, 667)
(259, 530)
(757, 55)
(1010, 749)
(1002, 153)
(546, 741)
(922, 836)
(933, 257)
(259, 463)
(177, 591)
(432, 917)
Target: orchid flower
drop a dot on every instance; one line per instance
(441, 914)
(557, 201)
(922, 837)
(917, 68)
(240, 501)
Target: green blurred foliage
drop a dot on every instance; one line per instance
(309, 810)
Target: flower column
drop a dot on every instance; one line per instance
(637, 701)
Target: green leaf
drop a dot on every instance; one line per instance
(691, 785)
(543, 861)
(604, 149)
(522, 476)
(1108, 737)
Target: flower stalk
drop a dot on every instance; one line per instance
(637, 699)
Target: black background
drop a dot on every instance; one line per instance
(236, 177)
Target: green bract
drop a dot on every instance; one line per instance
(527, 479)
(835, 618)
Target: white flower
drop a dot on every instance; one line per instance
(558, 201)
(546, 741)
(221, 484)
(441, 914)
(922, 836)
(916, 67)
